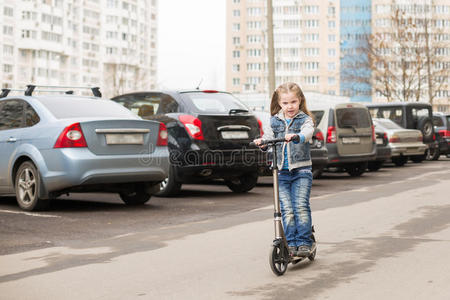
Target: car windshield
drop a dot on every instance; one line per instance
(387, 124)
(66, 108)
(214, 103)
(352, 117)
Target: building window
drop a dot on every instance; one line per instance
(236, 68)
(236, 81)
(236, 53)
(332, 38)
(331, 66)
(236, 26)
(236, 41)
(7, 68)
(331, 24)
(8, 30)
(236, 13)
(8, 50)
(331, 80)
(8, 11)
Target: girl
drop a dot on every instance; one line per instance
(291, 118)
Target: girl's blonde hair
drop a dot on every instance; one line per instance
(289, 87)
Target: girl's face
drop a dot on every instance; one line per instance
(290, 104)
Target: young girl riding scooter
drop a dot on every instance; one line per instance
(291, 118)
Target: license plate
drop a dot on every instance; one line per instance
(125, 139)
(234, 134)
(351, 140)
(379, 141)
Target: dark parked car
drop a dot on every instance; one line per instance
(209, 134)
(441, 124)
(319, 153)
(410, 115)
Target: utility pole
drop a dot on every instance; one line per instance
(270, 48)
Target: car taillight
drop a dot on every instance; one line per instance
(71, 137)
(385, 138)
(420, 138)
(319, 136)
(444, 133)
(261, 131)
(394, 139)
(331, 134)
(374, 137)
(162, 135)
(193, 126)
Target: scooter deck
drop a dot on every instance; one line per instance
(299, 258)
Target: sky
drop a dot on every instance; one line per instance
(191, 44)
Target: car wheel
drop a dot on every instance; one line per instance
(374, 165)
(242, 183)
(400, 160)
(27, 186)
(136, 197)
(357, 169)
(433, 154)
(169, 186)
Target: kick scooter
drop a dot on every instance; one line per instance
(279, 256)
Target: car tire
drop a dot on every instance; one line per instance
(169, 186)
(374, 166)
(400, 160)
(28, 185)
(357, 169)
(425, 125)
(433, 154)
(138, 196)
(242, 184)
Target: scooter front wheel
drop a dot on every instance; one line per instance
(278, 260)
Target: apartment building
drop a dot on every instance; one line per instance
(306, 41)
(111, 43)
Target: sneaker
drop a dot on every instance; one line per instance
(303, 251)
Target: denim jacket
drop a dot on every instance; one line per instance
(298, 153)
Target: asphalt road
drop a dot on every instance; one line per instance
(383, 235)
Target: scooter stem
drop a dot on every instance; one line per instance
(279, 233)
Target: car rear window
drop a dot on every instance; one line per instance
(213, 103)
(437, 121)
(318, 115)
(354, 117)
(148, 104)
(66, 108)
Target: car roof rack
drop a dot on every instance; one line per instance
(31, 87)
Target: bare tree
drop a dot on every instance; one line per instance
(408, 61)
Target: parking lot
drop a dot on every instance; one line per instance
(397, 210)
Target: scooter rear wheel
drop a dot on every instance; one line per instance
(278, 260)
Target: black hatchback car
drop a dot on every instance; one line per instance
(209, 136)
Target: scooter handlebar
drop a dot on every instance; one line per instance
(274, 141)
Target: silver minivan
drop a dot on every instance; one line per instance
(350, 135)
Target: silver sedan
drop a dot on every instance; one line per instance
(53, 145)
(404, 143)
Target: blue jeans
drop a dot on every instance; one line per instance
(295, 189)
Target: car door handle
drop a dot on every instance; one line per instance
(11, 140)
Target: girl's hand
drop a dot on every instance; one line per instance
(288, 137)
(257, 142)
